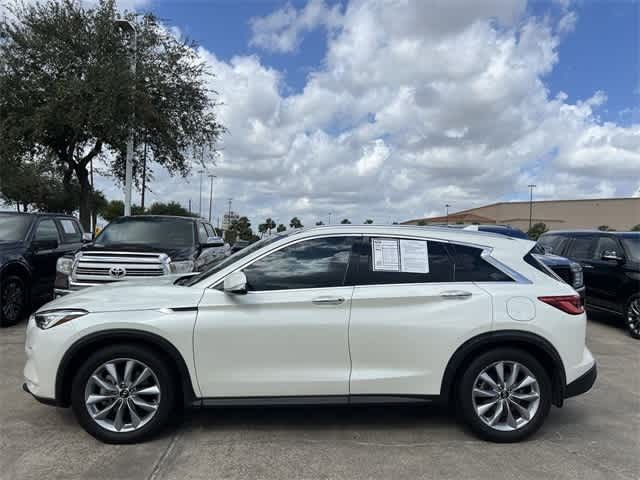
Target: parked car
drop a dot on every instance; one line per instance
(140, 247)
(30, 245)
(611, 264)
(335, 314)
(567, 270)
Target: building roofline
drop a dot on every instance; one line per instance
(526, 202)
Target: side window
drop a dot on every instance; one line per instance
(606, 244)
(440, 267)
(553, 243)
(71, 232)
(47, 230)
(469, 266)
(209, 229)
(202, 233)
(582, 247)
(315, 263)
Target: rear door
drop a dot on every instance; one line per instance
(70, 234)
(405, 325)
(44, 259)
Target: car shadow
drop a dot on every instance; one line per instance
(608, 319)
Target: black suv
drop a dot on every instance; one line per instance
(611, 264)
(30, 245)
(141, 246)
(567, 270)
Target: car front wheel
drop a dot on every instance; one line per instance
(633, 316)
(505, 395)
(123, 394)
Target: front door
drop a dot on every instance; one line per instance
(606, 278)
(44, 259)
(287, 336)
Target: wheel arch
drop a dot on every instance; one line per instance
(83, 347)
(534, 344)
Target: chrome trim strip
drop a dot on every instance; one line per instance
(518, 277)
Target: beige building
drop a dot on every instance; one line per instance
(617, 213)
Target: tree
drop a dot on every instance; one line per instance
(345, 221)
(536, 230)
(422, 223)
(281, 228)
(68, 92)
(319, 222)
(295, 223)
(603, 228)
(636, 228)
(368, 221)
(171, 208)
(239, 229)
(115, 208)
(267, 226)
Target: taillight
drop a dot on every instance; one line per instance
(570, 304)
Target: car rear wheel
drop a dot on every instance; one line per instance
(123, 394)
(13, 296)
(505, 395)
(633, 316)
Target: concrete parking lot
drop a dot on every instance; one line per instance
(595, 436)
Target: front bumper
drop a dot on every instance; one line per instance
(583, 383)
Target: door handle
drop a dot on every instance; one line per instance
(455, 294)
(328, 300)
(586, 265)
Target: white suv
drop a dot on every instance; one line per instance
(337, 314)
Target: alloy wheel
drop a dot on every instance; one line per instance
(633, 317)
(122, 395)
(506, 395)
(12, 300)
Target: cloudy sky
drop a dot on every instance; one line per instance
(388, 109)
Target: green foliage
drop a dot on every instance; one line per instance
(319, 222)
(68, 92)
(115, 208)
(295, 223)
(536, 230)
(171, 208)
(345, 221)
(266, 227)
(636, 228)
(281, 228)
(240, 229)
(368, 221)
(421, 223)
(604, 228)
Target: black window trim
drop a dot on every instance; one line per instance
(346, 284)
(55, 224)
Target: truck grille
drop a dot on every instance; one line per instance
(102, 267)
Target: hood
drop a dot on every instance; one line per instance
(143, 294)
(176, 253)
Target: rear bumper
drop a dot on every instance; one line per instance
(46, 401)
(583, 383)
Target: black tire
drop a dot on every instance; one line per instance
(156, 363)
(632, 316)
(13, 300)
(466, 401)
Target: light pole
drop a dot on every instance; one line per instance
(330, 218)
(446, 206)
(211, 196)
(128, 172)
(200, 206)
(531, 187)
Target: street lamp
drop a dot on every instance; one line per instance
(447, 210)
(531, 187)
(128, 26)
(200, 206)
(211, 196)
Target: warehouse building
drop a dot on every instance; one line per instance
(617, 213)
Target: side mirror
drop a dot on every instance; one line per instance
(611, 255)
(214, 242)
(236, 283)
(87, 237)
(45, 244)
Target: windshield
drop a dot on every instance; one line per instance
(231, 259)
(631, 244)
(14, 228)
(157, 232)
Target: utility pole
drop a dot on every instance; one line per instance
(144, 176)
(189, 206)
(200, 206)
(211, 196)
(531, 187)
(128, 172)
(447, 210)
(330, 218)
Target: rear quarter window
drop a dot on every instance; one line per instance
(71, 232)
(469, 266)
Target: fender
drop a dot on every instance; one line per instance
(90, 342)
(546, 354)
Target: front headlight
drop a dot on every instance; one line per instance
(52, 318)
(64, 265)
(181, 267)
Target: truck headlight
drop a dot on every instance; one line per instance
(64, 265)
(51, 318)
(181, 267)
